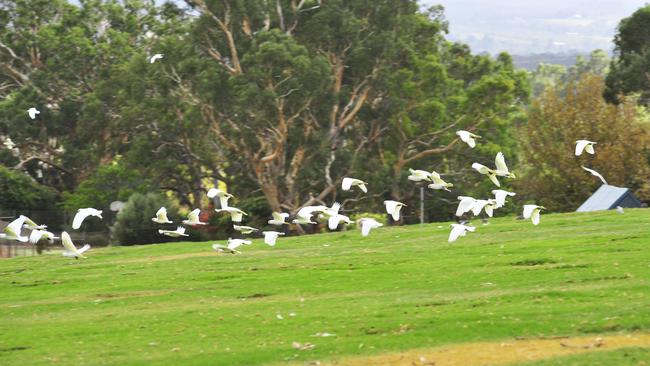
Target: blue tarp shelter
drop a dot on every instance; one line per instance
(609, 197)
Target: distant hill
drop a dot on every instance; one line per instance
(530, 62)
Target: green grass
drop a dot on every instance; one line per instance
(400, 288)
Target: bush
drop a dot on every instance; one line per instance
(20, 192)
(133, 224)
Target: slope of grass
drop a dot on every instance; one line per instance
(400, 288)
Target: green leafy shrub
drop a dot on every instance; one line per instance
(133, 224)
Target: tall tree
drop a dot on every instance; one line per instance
(630, 70)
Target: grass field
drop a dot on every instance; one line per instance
(399, 290)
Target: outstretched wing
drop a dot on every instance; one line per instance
(67, 243)
(500, 163)
(528, 210)
(79, 217)
(346, 184)
(580, 146)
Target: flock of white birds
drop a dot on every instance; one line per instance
(305, 215)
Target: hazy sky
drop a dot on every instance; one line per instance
(532, 26)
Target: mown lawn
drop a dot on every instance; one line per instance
(399, 289)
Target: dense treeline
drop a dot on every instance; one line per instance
(278, 100)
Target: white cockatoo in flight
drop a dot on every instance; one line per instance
(303, 216)
(458, 230)
(29, 224)
(279, 218)
(154, 58)
(81, 215)
(193, 218)
(13, 230)
(596, 174)
(347, 184)
(223, 196)
(418, 175)
(244, 229)
(393, 208)
(334, 221)
(271, 236)
(161, 217)
(585, 145)
(70, 249)
(533, 212)
(500, 196)
(33, 112)
(487, 171)
(468, 138)
(180, 231)
(36, 235)
(235, 214)
(367, 224)
(439, 183)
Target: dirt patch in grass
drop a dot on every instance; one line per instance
(500, 353)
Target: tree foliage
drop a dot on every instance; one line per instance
(630, 70)
(553, 175)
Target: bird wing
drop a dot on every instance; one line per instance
(83, 249)
(535, 216)
(494, 179)
(29, 222)
(362, 187)
(595, 174)
(236, 216)
(528, 210)
(471, 142)
(335, 207)
(79, 217)
(396, 211)
(35, 236)
(16, 226)
(500, 163)
(478, 206)
(223, 200)
(481, 168)
(366, 225)
(465, 204)
(464, 135)
(489, 210)
(590, 148)
(333, 222)
(390, 206)
(212, 193)
(270, 237)
(346, 184)
(500, 197)
(580, 146)
(67, 243)
(194, 215)
(456, 231)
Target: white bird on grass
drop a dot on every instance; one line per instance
(193, 218)
(236, 243)
(33, 112)
(224, 249)
(468, 138)
(367, 224)
(70, 249)
(244, 229)
(223, 196)
(439, 183)
(533, 212)
(161, 217)
(620, 209)
(334, 221)
(393, 208)
(585, 145)
(81, 215)
(271, 236)
(458, 230)
(12, 231)
(492, 174)
(36, 235)
(235, 214)
(419, 175)
(596, 174)
(347, 184)
(279, 218)
(155, 57)
(500, 196)
(466, 204)
(180, 231)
